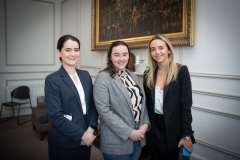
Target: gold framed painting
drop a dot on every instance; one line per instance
(136, 21)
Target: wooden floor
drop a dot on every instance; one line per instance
(21, 142)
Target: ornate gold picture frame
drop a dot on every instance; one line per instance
(136, 21)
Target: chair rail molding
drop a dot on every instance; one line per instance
(210, 93)
(92, 67)
(27, 72)
(209, 75)
(225, 76)
(218, 148)
(214, 111)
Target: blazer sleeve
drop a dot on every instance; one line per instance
(145, 117)
(103, 106)
(55, 112)
(186, 101)
(93, 112)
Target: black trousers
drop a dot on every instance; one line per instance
(58, 153)
(160, 151)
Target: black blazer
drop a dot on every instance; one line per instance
(62, 98)
(177, 102)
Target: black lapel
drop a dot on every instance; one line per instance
(153, 87)
(67, 79)
(165, 91)
(167, 87)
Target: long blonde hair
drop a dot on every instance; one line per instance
(172, 68)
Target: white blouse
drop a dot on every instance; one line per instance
(80, 92)
(158, 100)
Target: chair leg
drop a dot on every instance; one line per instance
(18, 117)
(1, 111)
(34, 128)
(8, 118)
(42, 136)
(12, 112)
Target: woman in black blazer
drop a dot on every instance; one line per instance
(167, 86)
(70, 105)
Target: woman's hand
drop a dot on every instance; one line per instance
(87, 138)
(187, 144)
(143, 128)
(136, 135)
(90, 130)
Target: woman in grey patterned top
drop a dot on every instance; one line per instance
(120, 102)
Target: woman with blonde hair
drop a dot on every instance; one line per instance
(167, 86)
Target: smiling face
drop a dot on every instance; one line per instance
(120, 57)
(69, 53)
(159, 51)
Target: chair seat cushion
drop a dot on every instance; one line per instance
(10, 104)
(40, 114)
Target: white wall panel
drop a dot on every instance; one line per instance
(208, 153)
(26, 44)
(217, 103)
(91, 59)
(2, 33)
(217, 38)
(29, 35)
(214, 129)
(220, 85)
(70, 17)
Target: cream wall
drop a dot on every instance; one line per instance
(28, 34)
(27, 49)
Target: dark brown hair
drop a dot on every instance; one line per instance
(110, 66)
(63, 39)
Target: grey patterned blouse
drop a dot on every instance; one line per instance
(135, 93)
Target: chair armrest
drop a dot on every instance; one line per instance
(41, 104)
